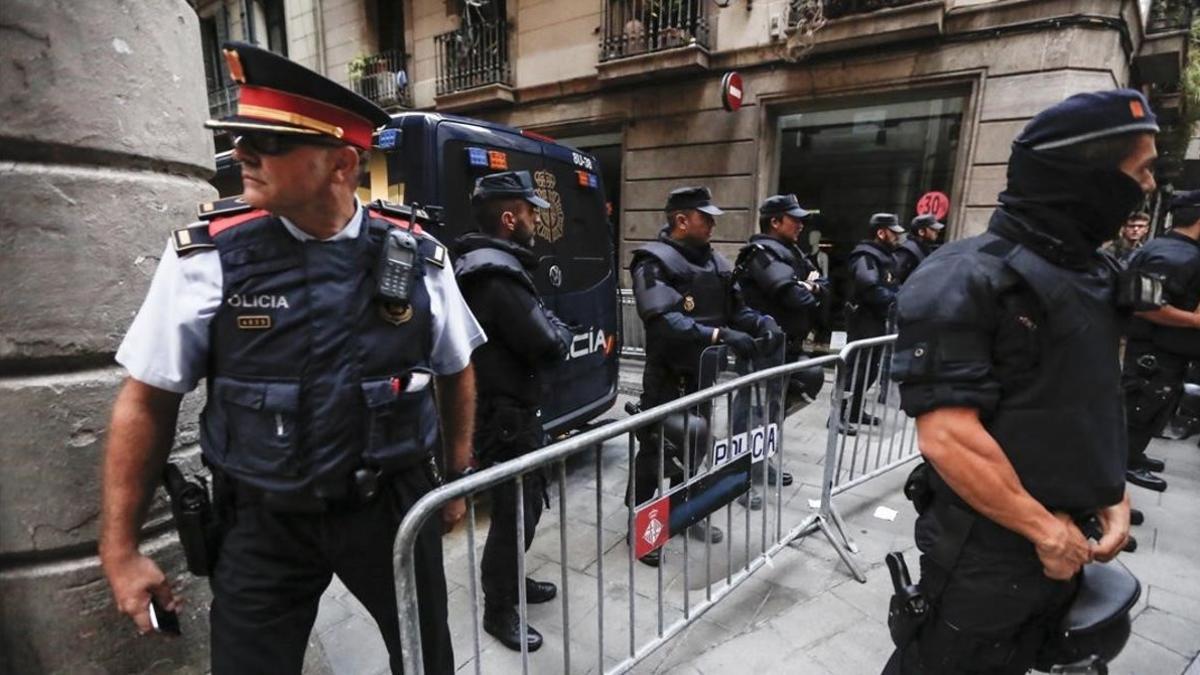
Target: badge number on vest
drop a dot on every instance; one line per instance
(254, 322)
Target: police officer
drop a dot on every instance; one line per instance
(780, 280)
(1007, 357)
(493, 268)
(873, 285)
(320, 417)
(923, 234)
(1163, 341)
(688, 301)
(1132, 237)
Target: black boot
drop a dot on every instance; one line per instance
(651, 559)
(537, 592)
(1147, 463)
(1143, 478)
(844, 428)
(1136, 517)
(714, 535)
(750, 499)
(505, 625)
(1130, 545)
(772, 476)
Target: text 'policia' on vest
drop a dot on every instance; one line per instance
(339, 380)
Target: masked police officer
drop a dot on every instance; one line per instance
(688, 301)
(923, 234)
(493, 268)
(1163, 341)
(1007, 357)
(780, 280)
(320, 417)
(873, 286)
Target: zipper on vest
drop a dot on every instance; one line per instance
(279, 431)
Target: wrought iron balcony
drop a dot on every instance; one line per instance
(382, 78)
(1169, 15)
(836, 9)
(473, 55)
(634, 27)
(222, 102)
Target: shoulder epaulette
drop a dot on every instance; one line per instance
(192, 238)
(433, 250)
(228, 206)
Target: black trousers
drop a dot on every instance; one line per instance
(865, 365)
(1153, 383)
(990, 614)
(498, 567)
(273, 567)
(661, 385)
(508, 429)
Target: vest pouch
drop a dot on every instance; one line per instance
(261, 419)
(397, 414)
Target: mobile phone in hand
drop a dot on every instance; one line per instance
(163, 620)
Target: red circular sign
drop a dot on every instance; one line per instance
(934, 202)
(731, 91)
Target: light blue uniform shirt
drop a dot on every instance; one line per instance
(167, 345)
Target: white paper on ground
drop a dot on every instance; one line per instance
(814, 503)
(884, 513)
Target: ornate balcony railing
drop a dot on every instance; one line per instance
(382, 78)
(635, 27)
(1169, 15)
(473, 55)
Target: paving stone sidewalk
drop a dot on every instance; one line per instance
(802, 613)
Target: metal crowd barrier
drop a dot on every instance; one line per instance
(849, 461)
(758, 541)
(886, 442)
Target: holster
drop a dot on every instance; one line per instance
(195, 519)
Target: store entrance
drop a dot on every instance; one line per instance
(850, 161)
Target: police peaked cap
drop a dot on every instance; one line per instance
(1185, 208)
(888, 221)
(783, 205)
(1087, 117)
(282, 96)
(508, 184)
(926, 220)
(689, 198)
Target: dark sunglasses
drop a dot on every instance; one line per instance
(272, 144)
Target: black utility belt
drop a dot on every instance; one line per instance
(363, 486)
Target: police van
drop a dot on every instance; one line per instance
(433, 160)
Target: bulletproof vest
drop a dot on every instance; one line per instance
(884, 263)
(1064, 431)
(1183, 257)
(785, 265)
(309, 376)
(908, 256)
(704, 296)
(498, 371)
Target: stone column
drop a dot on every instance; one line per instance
(102, 153)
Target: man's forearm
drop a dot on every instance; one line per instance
(976, 468)
(139, 440)
(1172, 317)
(456, 407)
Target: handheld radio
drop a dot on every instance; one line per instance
(397, 266)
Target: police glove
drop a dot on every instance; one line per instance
(771, 334)
(741, 343)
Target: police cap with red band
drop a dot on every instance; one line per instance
(282, 96)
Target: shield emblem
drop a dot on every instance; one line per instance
(395, 314)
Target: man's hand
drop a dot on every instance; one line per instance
(1114, 523)
(134, 578)
(452, 513)
(1063, 549)
(740, 342)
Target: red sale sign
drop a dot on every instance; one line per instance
(934, 202)
(651, 526)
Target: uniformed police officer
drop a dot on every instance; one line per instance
(1163, 341)
(780, 280)
(923, 234)
(1007, 357)
(688, 301)
(873, 286)
(320, 415)
(493, 268)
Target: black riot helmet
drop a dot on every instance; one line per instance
(1097, 625)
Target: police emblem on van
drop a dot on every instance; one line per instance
(551, 227)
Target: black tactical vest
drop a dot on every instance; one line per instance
(790, 263)
(309, 377)
(705, 292)
(910, 254)
(1182, 256)
(1064, 431)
